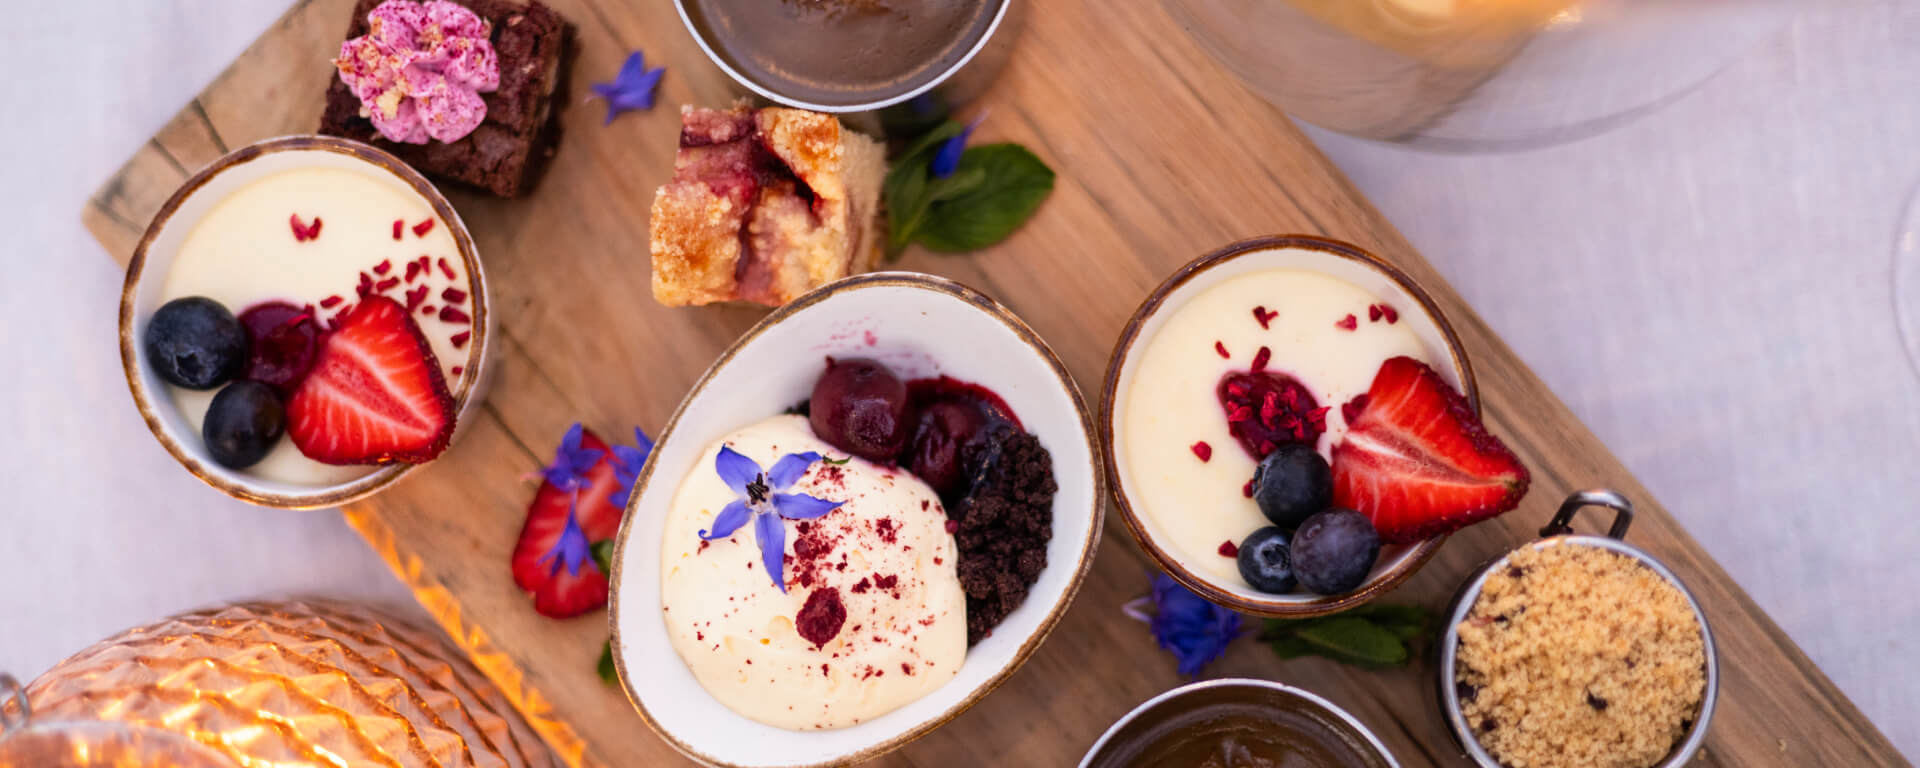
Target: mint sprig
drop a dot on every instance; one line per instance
(603, 557)
(992, 191)
(1374, 635)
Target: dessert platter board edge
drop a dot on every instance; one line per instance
(1150, 176)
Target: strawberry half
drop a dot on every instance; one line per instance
(553, 559)
(1417, 461)
(375, 394)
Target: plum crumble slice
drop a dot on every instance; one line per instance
(764, 205)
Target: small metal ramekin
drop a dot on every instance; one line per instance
(1558, 532)
(909, 111)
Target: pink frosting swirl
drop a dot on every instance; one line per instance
(420, 69)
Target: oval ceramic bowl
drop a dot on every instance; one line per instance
(155, 253)
(1198, 701)
(1341, 260)
(1559, 532)
(918, 325)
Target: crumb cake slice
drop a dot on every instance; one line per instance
(764, 205)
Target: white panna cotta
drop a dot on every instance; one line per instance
(245, 252)
(1326, 333)
(872, 617)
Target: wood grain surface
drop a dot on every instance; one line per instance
(1162, 156)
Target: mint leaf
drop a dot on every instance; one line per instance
(906, 185)
(603, 556)
(1016, 183)
(608, 674)
(1375, 635)
(1355, 639)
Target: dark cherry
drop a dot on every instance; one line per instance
(945, 429)
(860, 407)
(1267, 409)
(285, 341)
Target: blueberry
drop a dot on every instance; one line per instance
(1292, 483)
(1265, 562)
(1333, 551)
(195, 343)
(243, 423)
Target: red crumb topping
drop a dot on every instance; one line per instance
(386, 284)
(397, 225)
(382, 267)
(820, 619)
(1373, 313)
(887, 582)
(1388, 310)
(1264, 315)
(330, 302)
(1266, 409)
(453, 295)
(429, 310)
(460, 339)
(1348, 323)
(860, 587)
(415, 295)
(457, 370)
(906, 668)
(413, 270)
(1261, 358)
(421, 229)
(1229, 549)
(304, 232)
(1247, 490)
(446, 267)
(1202, 450)
(953, 526)
(889, 532)
(1222, 349)
(452, 315)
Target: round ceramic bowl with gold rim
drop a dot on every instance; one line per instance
(918, 326)
(238, 199)
(1154, 526)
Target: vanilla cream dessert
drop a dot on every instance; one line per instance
(315, 237)
(872, 616)
(1187, 472)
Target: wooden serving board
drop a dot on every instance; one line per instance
(1161, 156)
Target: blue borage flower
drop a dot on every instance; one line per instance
(627, 461)
(946, 160)
(1196, 631)
(761, 502)
(568, 472)
(632, 88)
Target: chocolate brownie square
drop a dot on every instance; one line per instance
(507, 152)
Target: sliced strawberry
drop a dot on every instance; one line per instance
(375, 394)
(1418, 462)
(553, 559)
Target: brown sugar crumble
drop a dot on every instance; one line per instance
(1580, 656)
(1003, 529)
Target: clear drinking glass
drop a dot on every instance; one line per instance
(1475, 75)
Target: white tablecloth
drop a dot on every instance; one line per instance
(1708, 288)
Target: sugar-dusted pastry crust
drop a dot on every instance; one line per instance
(764, 206)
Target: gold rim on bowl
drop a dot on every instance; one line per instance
(322, 496)
(1088, 545)
(1320, 604)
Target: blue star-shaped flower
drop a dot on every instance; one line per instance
(627, 461)
(568, 472)
(632, 88)
(761, 502)
(946, 160)
(1196, 631)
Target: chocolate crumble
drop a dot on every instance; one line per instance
(1004, 527)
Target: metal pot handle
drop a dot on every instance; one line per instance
(14, 711)
(1599, 497)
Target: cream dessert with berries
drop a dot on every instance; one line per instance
(293, 254)
(1259, 361)
(863, 611)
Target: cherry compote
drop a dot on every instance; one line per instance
(860, 407)
(285, 341)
